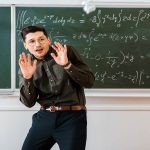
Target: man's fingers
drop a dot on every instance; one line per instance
(29, 58)
(55, 48)
(21, 60)
(21, 57)
(58, 47)
(54, 56)
(26, 62)
(24, 57)
(65, 48)
(34, 64)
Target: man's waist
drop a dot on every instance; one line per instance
(64, 108)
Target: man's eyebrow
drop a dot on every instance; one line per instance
(37, 38)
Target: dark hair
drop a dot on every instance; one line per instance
(32, 29)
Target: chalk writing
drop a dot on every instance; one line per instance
(135, 78)
(113, 41)
(96, 37)
(119, 18)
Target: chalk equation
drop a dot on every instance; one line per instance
(137, 77)
(113, 61)
(113, 41)
(99, 19)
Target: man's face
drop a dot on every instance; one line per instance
(37, 43)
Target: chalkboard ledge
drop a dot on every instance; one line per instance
(117, 92)
(95, 93)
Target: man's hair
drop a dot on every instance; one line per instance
(32, 29)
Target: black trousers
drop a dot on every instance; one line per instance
(66, 128)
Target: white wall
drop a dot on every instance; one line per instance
(113, 123)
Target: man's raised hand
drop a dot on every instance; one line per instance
(27, 66)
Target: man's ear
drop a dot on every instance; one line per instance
(25, 45)
(49, 40)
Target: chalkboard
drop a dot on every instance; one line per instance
(114, 42)
(5, 48)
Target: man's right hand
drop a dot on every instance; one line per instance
(27, 66)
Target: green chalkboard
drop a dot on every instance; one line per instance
(5, 48)
(115, 42)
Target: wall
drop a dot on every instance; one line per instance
(117, 120)
(113, 123)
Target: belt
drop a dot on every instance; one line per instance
(63, 108)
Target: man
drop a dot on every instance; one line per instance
(53, 76)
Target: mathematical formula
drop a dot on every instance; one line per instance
(107, 39)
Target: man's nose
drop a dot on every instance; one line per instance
(37, 43)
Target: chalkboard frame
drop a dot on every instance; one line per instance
(89, 92)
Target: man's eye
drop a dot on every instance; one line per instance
(31, 42)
